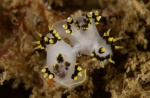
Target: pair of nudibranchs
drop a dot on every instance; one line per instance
(84, 38)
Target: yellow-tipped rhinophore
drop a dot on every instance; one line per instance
(102, 64)
(111, 61)
(118, 47)
(39, 47)
(107, 33)
(116, 39)
(37, 42)
(98, 18)
(40, 35)
(50, 28)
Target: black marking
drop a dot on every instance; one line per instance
(84, 26)
(42, 43)
(56, 67)
(47, 71)
(101, 58)
(53, 34)
(68, 64)
(60, 58)
(68, 20)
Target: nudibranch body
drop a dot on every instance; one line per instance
(83, 35)
(61, 61)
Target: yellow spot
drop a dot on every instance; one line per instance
(37, 42)
(65, 26)
(54, 65)
(118, 47)
(51, 41)
(111, 61)
(103, 50)
(45, 75)
(91, 20)
(46, 39)
(68, 31)
(51, 76)
(54, 31)
(96, 13)
(110, 39)
(89, 14)
(75, 78)
(97, 24)
(50, 27)
(79, 73)
(39, 47)
(43, 70)
(57, 35)
(94, 59)
(69, 19)
(79, 68)
(98, 18)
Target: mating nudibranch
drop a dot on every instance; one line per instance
(83, 35)
(61, 61)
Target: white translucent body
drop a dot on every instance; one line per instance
(84, 41)
(70, 56)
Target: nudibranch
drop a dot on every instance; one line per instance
(61, 61)
(83, 35)
(84, 38)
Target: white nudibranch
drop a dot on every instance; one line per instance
(61, 61)
(83, 35)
